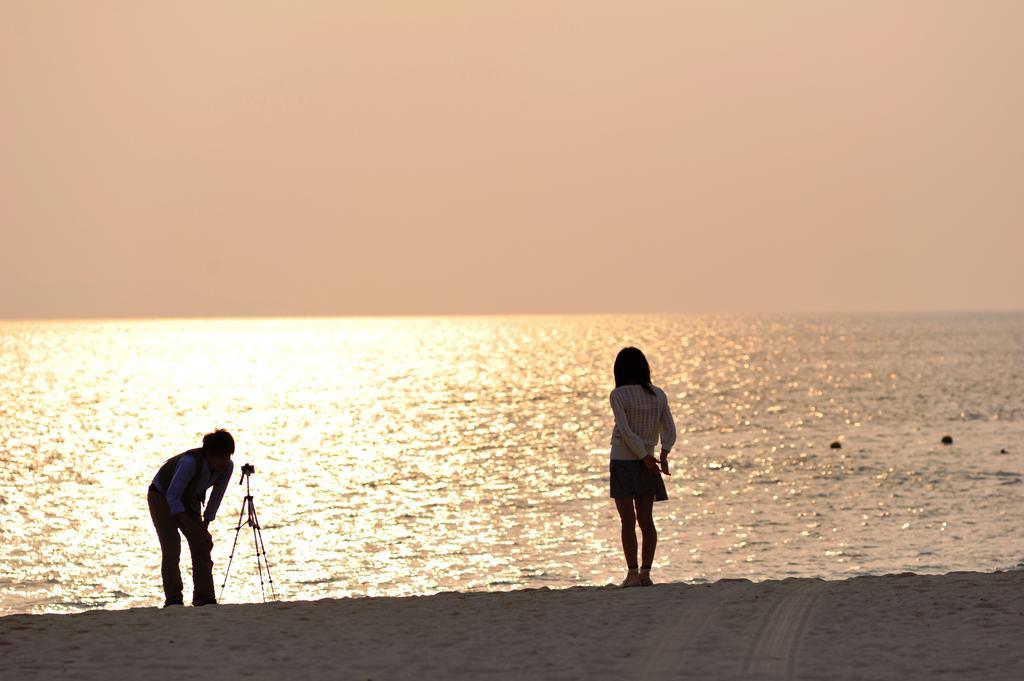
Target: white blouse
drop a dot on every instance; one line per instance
(640, 418)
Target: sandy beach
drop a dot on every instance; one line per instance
(963, 625)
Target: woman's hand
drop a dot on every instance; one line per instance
(194, 530)
(650, 464)
(664, 463)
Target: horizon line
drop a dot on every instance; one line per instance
(858, 312)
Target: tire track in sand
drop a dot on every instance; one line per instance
(775, 651)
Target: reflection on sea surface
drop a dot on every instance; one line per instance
(410, 455)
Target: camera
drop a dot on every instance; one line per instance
(247, 470)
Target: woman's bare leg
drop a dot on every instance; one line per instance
(627, 516)
(645, 516)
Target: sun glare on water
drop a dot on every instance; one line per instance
(407, 456)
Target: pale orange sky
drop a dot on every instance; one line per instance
(258, 158)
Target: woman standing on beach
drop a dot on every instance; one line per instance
(641, 415)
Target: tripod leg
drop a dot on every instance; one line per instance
(233, 545)
(255, 540)
(266, 559)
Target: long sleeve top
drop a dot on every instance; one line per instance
(640, 419)
(187, 489)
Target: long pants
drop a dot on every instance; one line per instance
(167, 527)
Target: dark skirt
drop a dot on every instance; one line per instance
(632, 479)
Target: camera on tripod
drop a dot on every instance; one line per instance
(247, 469)
(247, 518)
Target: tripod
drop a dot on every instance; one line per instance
(251, 520)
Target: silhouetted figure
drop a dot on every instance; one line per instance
(641, 416)
(175, 501)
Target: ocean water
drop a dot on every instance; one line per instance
(412, 455)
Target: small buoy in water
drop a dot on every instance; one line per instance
(836, 445)
(947, 439)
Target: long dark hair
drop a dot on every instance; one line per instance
(219, 442)
(631, 368)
